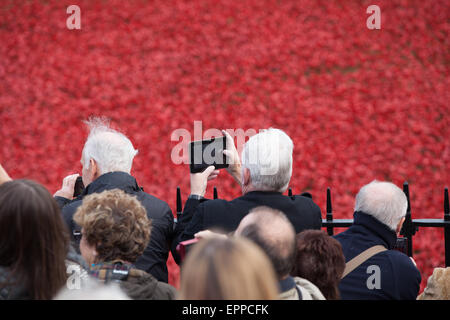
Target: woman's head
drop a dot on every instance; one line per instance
(114, 227)
(227, 269)
(320, 259)
(33, 238)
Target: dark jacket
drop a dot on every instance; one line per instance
(155, 255)
(399, 277)
(137, 284)
(199, 215)
(10, 289)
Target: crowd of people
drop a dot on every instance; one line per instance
(262, 245)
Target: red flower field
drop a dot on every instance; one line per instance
(359, 104)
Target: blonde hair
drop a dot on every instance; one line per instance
(227, 269)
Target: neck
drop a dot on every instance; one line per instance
(248, 188)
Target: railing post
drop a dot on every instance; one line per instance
(179, 203)
(408, 227)
(215, 195)
(329, 216)
(446, 228)
(179, 208)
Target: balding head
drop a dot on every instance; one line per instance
(384, 201)
(274, 233)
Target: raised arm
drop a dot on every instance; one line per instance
(234, 168)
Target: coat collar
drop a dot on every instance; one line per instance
(253, 194)
(376, 228)
(113, 180)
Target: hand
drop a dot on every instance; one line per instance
(4, 177)
(67, 187)
(208, 234)
(233, 159)
(200, 180)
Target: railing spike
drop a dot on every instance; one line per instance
(179, 203)
(329, 216)
(406, 191)
(329, 206)
(446, 205)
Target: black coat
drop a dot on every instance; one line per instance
(199, 215)
(399, 277)
(155, 255)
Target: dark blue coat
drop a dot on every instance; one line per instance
(155, 256)
(399, 277)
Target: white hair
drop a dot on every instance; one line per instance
(268, 157)
(112, 150)
(384, 201)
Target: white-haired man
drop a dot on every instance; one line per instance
(107, 158)
(263, 174)
(374, 270)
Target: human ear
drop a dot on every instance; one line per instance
(93, 168)
(399, 226)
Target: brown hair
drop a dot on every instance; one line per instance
(227, 269)
(115, 223)
(320, 260)
(34, 240)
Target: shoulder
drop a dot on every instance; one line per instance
(306, 203)
(155, 206)
(166, 291)
(400, 260)
(69, 209)
(143, 286)
(399, 267)
(72, 205)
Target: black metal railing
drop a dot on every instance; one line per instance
(409, 229)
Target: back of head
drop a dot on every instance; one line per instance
(112, 150)
(115, 223)
(319, 259)
(227, 269)
(274, 234)
(384, 201)
(33, 238)
(268, 157)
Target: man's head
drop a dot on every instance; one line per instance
(106, 150)
(267, 161)
(274, 233)
(385, 202)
